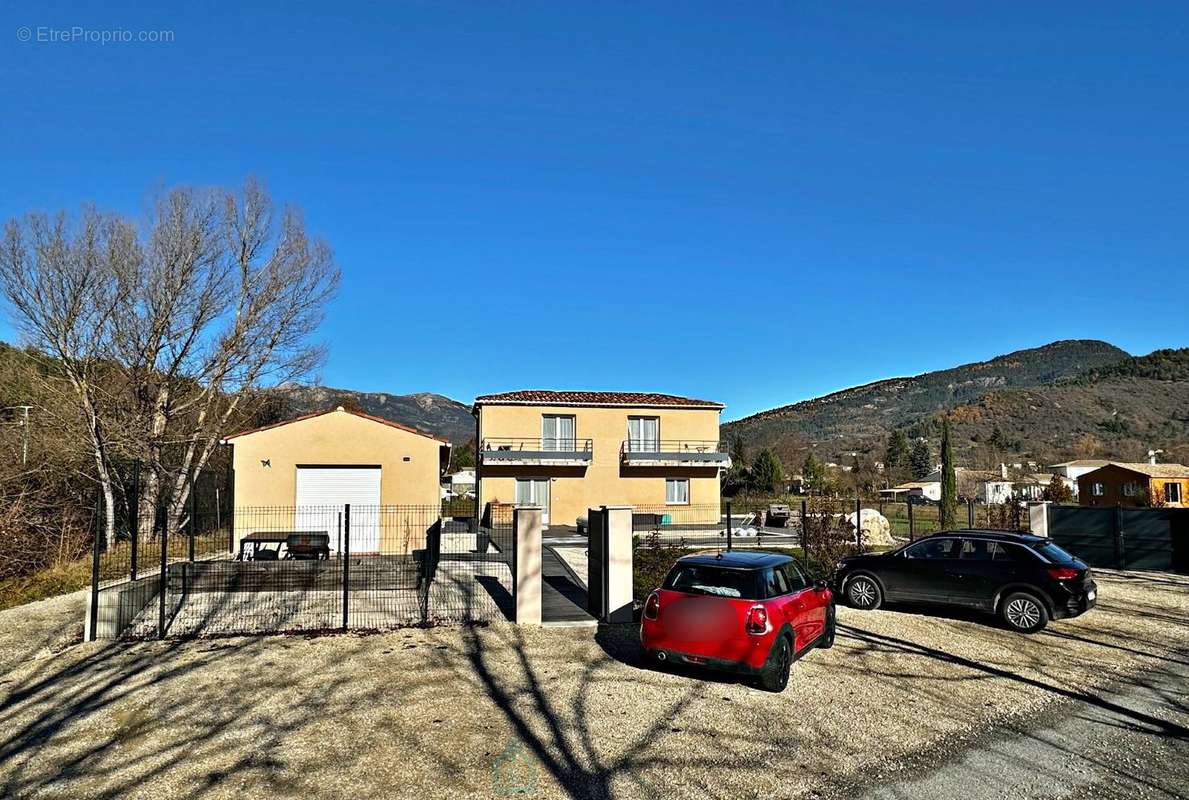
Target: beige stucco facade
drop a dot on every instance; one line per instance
(266, 461)
(605, 479)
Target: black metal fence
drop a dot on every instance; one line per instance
(308, 568)
(1123, 538)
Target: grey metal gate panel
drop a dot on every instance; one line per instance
(1088, 533)
(1147, 538)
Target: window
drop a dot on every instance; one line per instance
(977, 550)
(532, 492)
(557, 432)
(1053, 553)
(1130, 489)
(1005, 552)
(715, 581)
(1172, 492)
(797, 579)
(1097, 489)
(775, 582)
(677, 491)
(933, 549)
(644, 434)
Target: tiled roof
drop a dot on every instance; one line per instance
(311, 415)
(628, 399)
(1082, 462)
(1155, 470)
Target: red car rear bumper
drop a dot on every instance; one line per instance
(746, 654)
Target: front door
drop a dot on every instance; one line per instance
(534, 492)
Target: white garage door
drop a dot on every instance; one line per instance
(323, 491)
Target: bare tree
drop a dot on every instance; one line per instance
(215, 298)
(61, 283)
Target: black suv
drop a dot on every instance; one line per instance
(1026, 580)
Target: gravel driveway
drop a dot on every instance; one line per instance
(502, 710)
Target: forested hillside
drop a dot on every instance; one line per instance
(1065, 399)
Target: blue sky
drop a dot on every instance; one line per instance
(755, 203)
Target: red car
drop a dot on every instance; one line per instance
(754, 613)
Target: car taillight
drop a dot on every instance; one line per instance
(652, 606)
(1063, 573)
(757, 620)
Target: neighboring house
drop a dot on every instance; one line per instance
(458, 484)
(568, 452)
(928, 490)
(1128, 484)
(1072, 470)
(1034, 485)
(463, 480)
(334, 458)
(987, 486)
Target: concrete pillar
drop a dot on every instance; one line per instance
(619, 577)
(1038, 517)
(526, 566)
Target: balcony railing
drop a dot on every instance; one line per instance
(513, 451)
(664, 452)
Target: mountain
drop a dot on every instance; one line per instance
(1043, 403)
(432, 413)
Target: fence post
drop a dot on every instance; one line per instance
(859, 524)
(346, 563)
(969, 513)
(729, 526)
(193, 513)
(911, 524)
(230, 509)
(162, 582)
(98, 528)
(805, 528)
(134, 510)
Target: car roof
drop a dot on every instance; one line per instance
(986, 533)
(736, 559)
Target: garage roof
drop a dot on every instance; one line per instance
(360, 414)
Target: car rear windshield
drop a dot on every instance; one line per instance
(713, 581)
(1053, 553)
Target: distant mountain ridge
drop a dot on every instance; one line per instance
(425, 411)
(1041, 401)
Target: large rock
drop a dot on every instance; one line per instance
(877, 531)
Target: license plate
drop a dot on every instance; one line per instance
(1090, 595)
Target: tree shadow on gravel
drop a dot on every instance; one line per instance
(570, 735)
(979, 669)
(109, 719)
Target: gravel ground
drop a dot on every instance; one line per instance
(551, 712)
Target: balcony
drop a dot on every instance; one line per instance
(673, 453)
(523, 452)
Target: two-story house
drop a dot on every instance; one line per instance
(568, 452)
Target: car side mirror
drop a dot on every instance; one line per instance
(820, 585)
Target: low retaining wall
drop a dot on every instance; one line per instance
(120, 604)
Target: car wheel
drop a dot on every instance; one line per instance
(827, 640)
(863, 592)
(1024, 612)
(775, 674)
